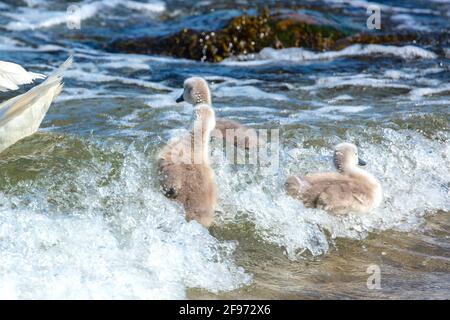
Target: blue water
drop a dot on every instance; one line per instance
(81, 215)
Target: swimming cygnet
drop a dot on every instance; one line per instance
(196, 91)
(22, 115)
(350, 190)
(184, 170)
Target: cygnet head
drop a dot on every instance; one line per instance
(346, 157)
(196, 91)
(204, 117)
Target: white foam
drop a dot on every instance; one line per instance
(427, 102)
(359, 80)
(126, 65)
(365, 4)
(343, 97)
(31, 18)
(344, 109)
(152, 7)
(326, 111)
(92, 54)
(413, 170)
(38, 16)
(248, 92)
(250, 60)
(419, 76)
(268, 55)
(408, 22)
(406, 52)
(261, 110)
(120, 240)
(311, 116)
(96, 76)
(419, 93)
(398, 74)
(8, 44)
(35, 3)
(70, 94)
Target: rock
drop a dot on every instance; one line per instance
(242, 35)
(247, 34)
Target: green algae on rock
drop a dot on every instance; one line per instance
(248, 34)
(242, 35)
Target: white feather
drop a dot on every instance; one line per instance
(22, 115)
(13, 75)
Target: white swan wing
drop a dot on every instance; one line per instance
(13, 75)
(22, 115)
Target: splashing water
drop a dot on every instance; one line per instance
(81, 214)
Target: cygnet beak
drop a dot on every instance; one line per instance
(180, 99)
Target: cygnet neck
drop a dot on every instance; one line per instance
(355, 171)
(200, 136)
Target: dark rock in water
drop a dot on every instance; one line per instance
(242, 35)
(250, 34)
(375, 38)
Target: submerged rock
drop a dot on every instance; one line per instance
(242, 35)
